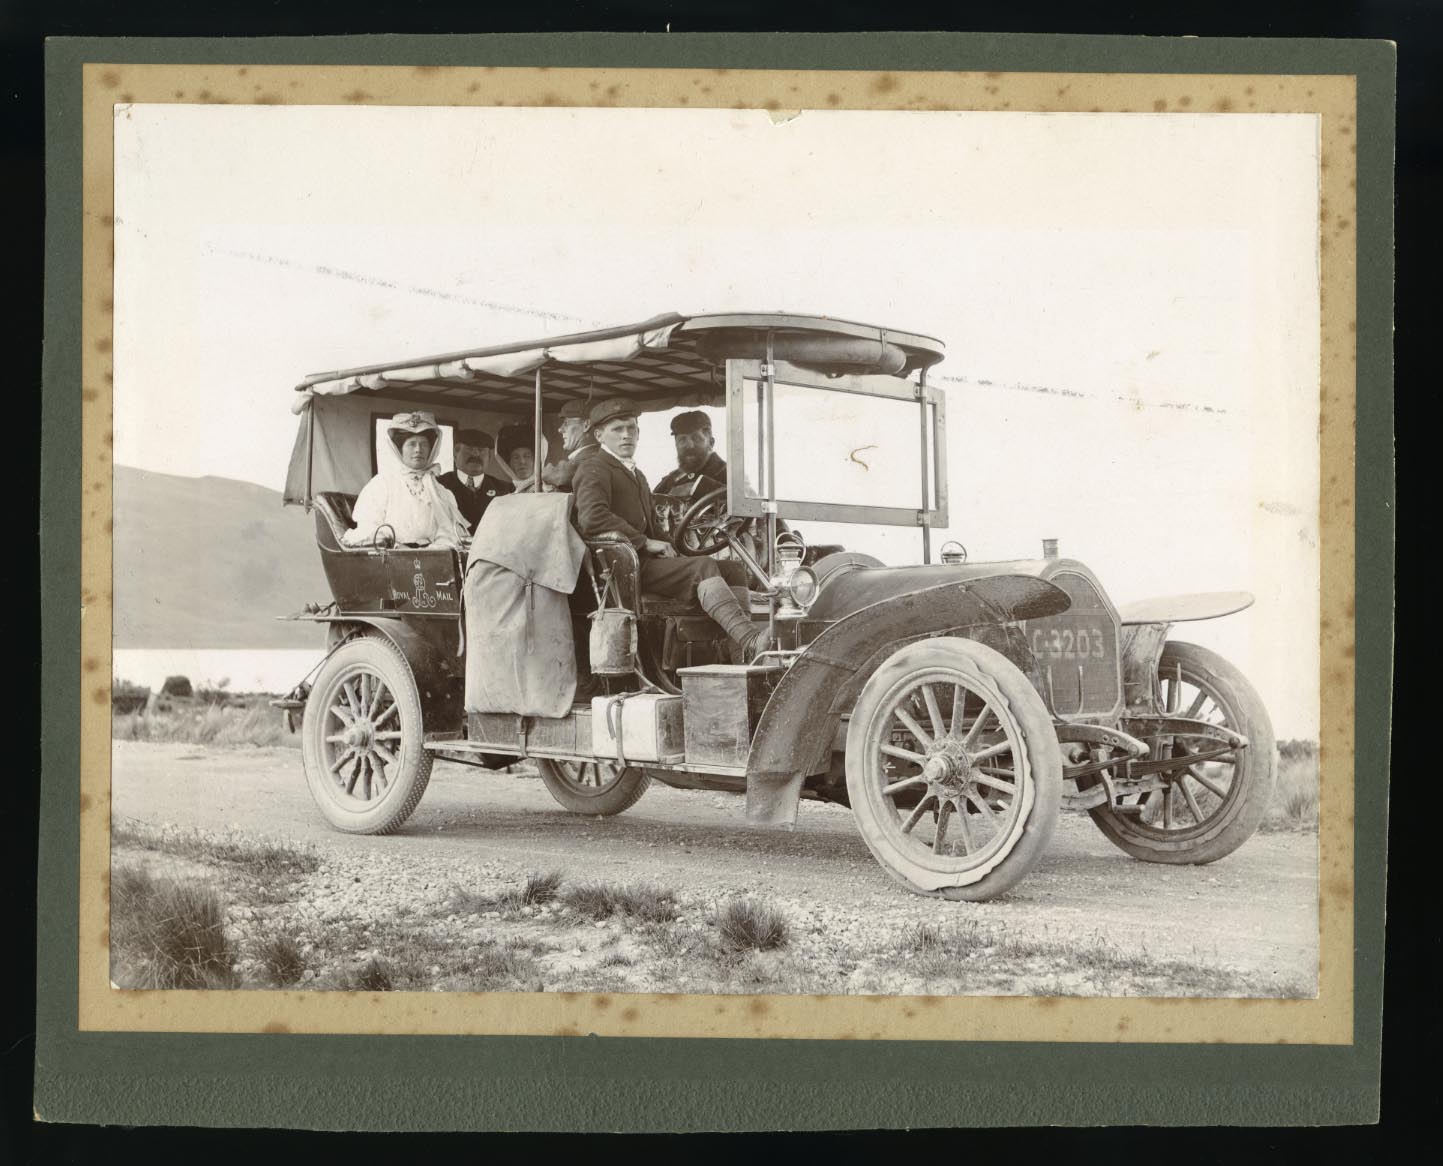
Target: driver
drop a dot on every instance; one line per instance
(612, 496)
(698, 468)
(406, 495)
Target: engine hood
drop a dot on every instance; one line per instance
(1017, 588)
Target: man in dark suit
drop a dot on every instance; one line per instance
(612, 496)
(698, 468)
(472, 488)
(577, 442)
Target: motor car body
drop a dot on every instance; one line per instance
(957, 707)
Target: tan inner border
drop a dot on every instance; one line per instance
(1328, 1019)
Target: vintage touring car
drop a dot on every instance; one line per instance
(956, 707)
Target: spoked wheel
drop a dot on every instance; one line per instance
(593, 787)
(1202, 810)
(953, 769)
(361, 739)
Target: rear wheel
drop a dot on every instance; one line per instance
(361, 739)
(1202, 810)
(593, 787)
(953, 769)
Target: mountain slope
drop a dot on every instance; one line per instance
(209, 562)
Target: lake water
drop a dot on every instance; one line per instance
(242, 669)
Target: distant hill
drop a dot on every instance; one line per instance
(209, 562)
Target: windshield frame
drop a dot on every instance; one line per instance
(931, 463)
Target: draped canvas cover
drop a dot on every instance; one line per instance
(520, 654)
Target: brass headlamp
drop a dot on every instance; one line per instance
(795, 585)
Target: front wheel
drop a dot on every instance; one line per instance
(1201, 810)
(361, 739)
(593, 787)
(953, 769)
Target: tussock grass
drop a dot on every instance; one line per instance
(537, 889)
(1295, 796)
(643, 902)
(280, 954)
(166, 932)
(372, 976)
(267, 860)
(205, 723)
(750, 924)
(418, 960)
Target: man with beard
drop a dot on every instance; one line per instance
(698, 468)
(612, 497)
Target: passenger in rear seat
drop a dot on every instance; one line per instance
(406, 496)
(612, 496)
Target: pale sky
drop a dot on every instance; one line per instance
(1129, 301)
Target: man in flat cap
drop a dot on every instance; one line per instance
(577, 443)
(469, 484)
(612, 496)
(698, 468)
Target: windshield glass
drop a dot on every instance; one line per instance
(838, 448)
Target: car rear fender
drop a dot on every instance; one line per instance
(429, 647)
(1145, 624)
(796, 727)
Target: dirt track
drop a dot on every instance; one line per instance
(1253, 914)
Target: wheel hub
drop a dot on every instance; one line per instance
(358, 736)
(948, 769)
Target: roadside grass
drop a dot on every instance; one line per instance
(420, 960)
(750, 924)
(536, 934)
(1295, 795)
(201, 722)
(168, 932)
(281, 956)
(642, 902)
(537, 890)
(265, 859)
(970, 956)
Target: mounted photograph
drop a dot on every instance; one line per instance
(713, 552)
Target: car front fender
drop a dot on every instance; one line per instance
(795, 727)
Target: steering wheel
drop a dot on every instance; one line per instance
(705, 525)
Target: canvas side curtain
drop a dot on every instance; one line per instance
(520, 651)
(336, 437)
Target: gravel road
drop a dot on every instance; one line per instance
(1252, 916)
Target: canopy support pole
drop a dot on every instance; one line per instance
(771, 456)
(536, 435)
(925, 516)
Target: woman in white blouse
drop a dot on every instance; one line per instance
(405, 496)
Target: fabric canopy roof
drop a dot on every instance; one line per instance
(660, 363)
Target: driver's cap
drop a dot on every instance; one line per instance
(692, 421)
(610, 410)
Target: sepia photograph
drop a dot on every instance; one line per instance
(715, 551)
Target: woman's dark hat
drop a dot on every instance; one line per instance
(512, 438)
